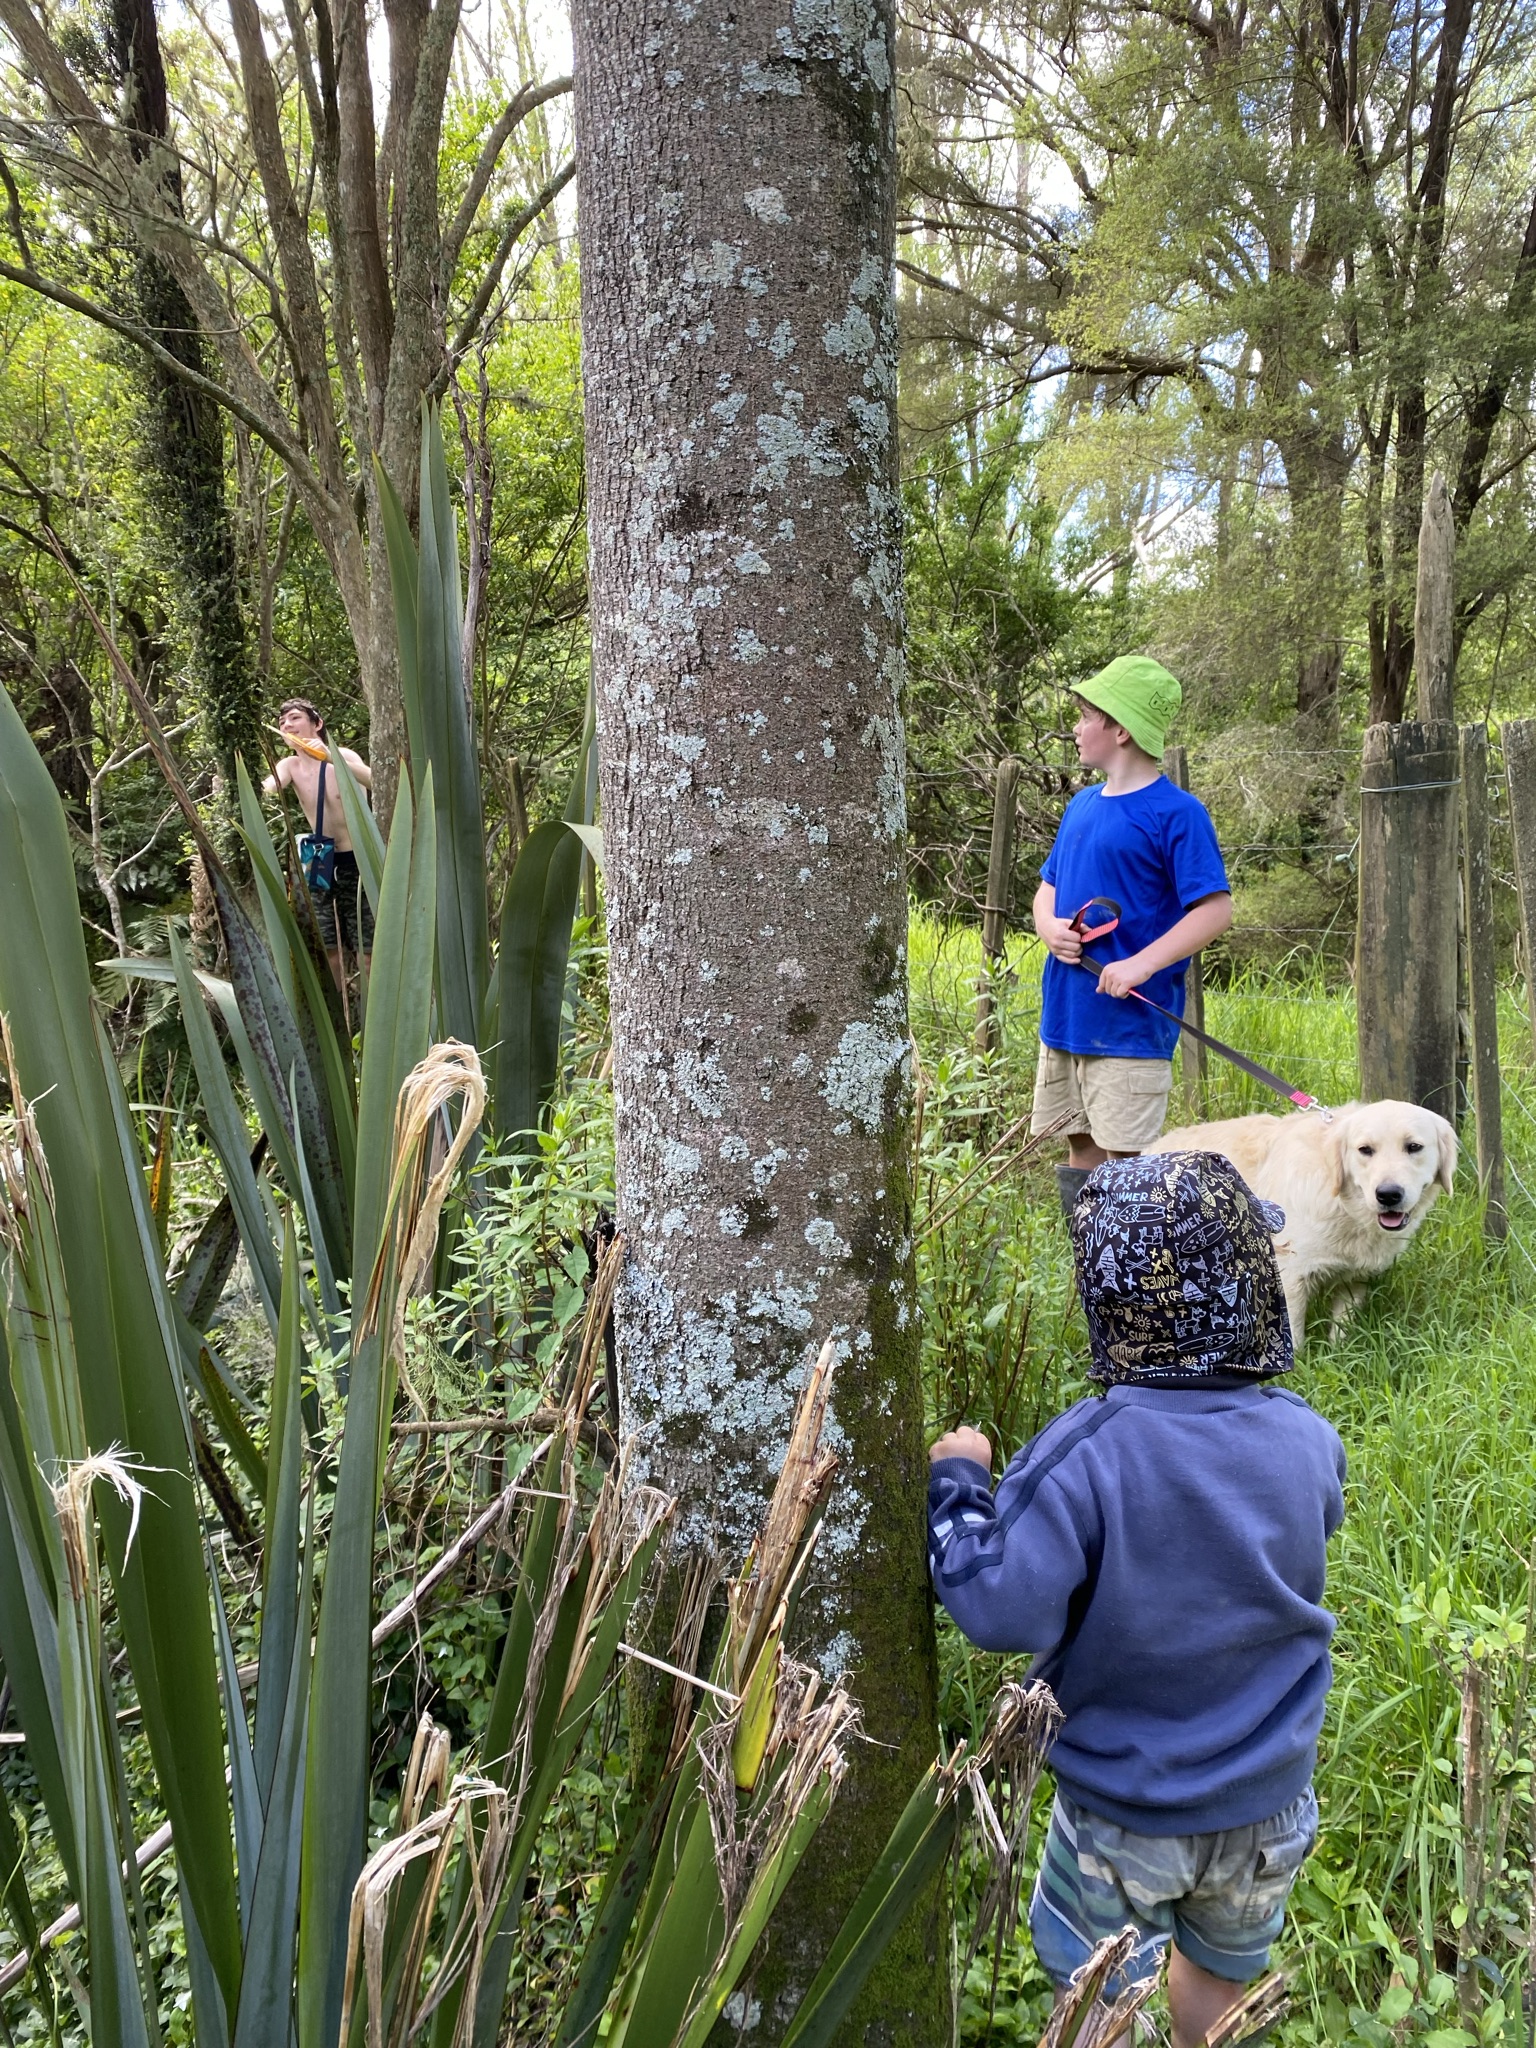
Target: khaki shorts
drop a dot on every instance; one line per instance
(1122, 1104)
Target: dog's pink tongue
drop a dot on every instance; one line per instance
(1391, 1219)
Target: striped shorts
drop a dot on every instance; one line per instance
(1219, 1898)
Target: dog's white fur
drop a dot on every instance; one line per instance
(1335, 1180)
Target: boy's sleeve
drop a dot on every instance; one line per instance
(1194, 856)
(1005, 1565)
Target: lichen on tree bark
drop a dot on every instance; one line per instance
(736, 173)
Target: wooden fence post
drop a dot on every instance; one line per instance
(1192, 1052)
(1405, 951)
(1482, 980)
(1518, 736)
(994, 913)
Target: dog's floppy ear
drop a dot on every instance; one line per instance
(1334, 1137)
(1445, 1173)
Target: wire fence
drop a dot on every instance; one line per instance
(1294, 875)
(1279, 985)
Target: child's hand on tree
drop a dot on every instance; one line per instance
(963, 1442)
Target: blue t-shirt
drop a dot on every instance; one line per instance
(1154, 852)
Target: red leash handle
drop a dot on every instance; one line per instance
(1099, 931)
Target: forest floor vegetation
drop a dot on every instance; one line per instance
(1412, 1920)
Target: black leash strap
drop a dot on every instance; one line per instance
(1298, 1096)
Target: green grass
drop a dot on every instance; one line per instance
(1433, 1390)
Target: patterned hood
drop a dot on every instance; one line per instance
(1177, 1272)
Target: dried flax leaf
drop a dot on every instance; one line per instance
(1020, 1729)
(623, 1522)
(810, 1733)
(758, 1841)
(605, 1283)
(997, 1783)
(23, 1165)
(72, 1504)
(1082, 2019)
(426, 1774)
(450, 1827)
(415, 1201)
(701, 1579)
(804, 1481)
(1258, 2012)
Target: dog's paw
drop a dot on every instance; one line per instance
(1342, 1309)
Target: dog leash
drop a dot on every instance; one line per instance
(1298, 1096)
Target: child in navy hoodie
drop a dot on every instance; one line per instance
(1162, 1551)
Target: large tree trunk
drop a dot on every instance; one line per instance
(738, 322)
(1317, 470)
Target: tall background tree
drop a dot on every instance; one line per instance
(337, 256)
(1267, 268)
(737, 217)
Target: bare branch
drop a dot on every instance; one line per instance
(282, 445)
(499, 1508)
(295, 258)
(516, 226)
(516, 110)
(13, 209)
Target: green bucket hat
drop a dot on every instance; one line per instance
(1138, 693)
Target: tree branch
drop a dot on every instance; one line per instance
(517, 109)
(13, 209)
(359, 234)
(1514, 348)
(417, 233)
(295, 258)
(282, 445)
(517, 226)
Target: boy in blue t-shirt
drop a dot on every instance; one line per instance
(1149, 846)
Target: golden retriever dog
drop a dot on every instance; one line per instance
(1354, 1187)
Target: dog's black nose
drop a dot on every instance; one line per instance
(1389, 1196)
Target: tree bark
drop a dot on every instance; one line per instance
(1422, 263)
(737, 171)
(1434, 611)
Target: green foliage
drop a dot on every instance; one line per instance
(520, 1011)
(530, 677)
(300, 1773)
(999, 627)
(287, 1922)
(1255, 325)
(430, 623)
(117, 1372)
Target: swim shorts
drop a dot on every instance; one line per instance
(345, 911)
(1219, 1898)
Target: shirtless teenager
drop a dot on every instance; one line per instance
(345, 916)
